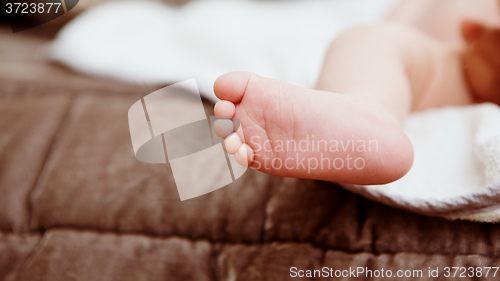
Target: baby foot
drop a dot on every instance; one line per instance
(289, 131)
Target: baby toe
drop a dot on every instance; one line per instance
(224, 108)
(231, 86)
(232, 143)
(244, 156)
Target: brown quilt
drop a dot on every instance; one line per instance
(75, 204)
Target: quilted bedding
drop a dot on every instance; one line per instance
(75, 204)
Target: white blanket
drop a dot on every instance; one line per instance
(456, 172)
(457, 150)
(149, 42)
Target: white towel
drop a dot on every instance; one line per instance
(150, 42)
(456, 172)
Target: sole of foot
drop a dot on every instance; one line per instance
(286, 130)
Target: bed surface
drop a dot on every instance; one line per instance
(75, 204)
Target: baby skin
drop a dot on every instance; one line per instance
(349, 128)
